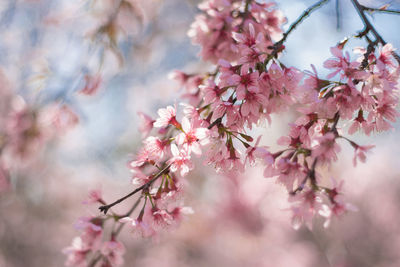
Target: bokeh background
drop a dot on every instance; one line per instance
(47, 49)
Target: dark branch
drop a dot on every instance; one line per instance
(337, 9)
(95, 260)
(217, 121)
(382, 10)
(335, 122)
(278, 45)
(370, 49)
(311, 175)
(105, 208)
(126, 215)
(370, 27)
(114, 234)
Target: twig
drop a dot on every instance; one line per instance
(311, 175)
(105, 208)
(246, 8)
(126, 215)
(217, 121)
(372, 9)
(95, 260)
(98, 257)
(276, 47)
(335, 122)
(370, 27)
(370, 49)
(337, 9)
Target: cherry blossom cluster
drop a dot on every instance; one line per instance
(92, 247)
(244, 40)
(160, 165)
(252, 83)
(223, 29)
(221, 105)
(365, 97)
(26, 129)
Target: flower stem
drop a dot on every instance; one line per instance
(105, 208)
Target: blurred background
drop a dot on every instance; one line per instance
(70, 52)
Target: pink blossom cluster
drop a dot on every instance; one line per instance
(248, 85)
(365, 97)
(223, 31)
(160, 165)
(222, 105)
(25, 129)
(93, 246)
(252, 84)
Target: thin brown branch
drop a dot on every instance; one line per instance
(311, 175)
(370, 27)
(96, 259)
(381, 10)
(114, 234)
(370, 49)
(105, 208)
(311, 172)
(217, 121)
(335, 122)
(278, 45)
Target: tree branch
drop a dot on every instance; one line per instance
(337, 9)
(98, 257)
(369, 27)
(277, 46)
(105, 208)
(116, 232)
(382, 10)
(311, 175)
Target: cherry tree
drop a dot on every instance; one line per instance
(244, 41)
(216, 120)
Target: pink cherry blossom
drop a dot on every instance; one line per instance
(180, 160)
(245, 81)
(92, 232)
(113, 252)
(139, 177)
(178, 212)
(161, 218)
(143, 156)
(166, 117)
(155, 147)
(326, 148)
(305, 205)
(191, 138)
(95, 196)
(146, 125)
(139, 226)
(359, 153)
(76, 253)
(179, 76)
(92, 84)
(341, 64)
(385, 57)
